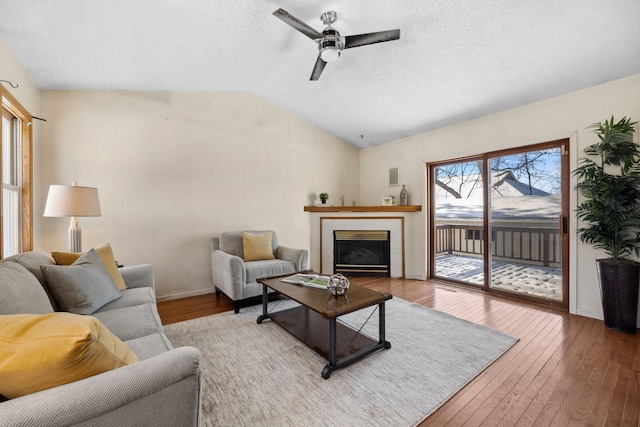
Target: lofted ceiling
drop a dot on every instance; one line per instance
(455, 60)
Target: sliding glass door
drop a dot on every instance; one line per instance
(499, 222)
(458, 210)
(527, 223)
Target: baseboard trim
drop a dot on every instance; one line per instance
(589, 313)
(184, 295)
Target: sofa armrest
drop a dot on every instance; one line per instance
(229, 274)
(297, 256)
(138, 276)
(162, 390)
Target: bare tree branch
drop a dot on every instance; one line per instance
(448, 189)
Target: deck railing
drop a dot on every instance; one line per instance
(532, 245)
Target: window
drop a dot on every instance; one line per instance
(16, 200)
(11, 212)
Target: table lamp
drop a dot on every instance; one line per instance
(72, 201)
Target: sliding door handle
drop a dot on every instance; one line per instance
(563, 224)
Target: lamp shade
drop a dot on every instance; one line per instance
(67, 200)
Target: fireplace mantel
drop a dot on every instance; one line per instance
(410, 208)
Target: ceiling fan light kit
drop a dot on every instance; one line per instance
(330, 43)
(329, 52)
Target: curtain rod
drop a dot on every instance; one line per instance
(15, 87)
(11, 84)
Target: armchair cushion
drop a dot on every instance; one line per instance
(265, 268)
(257, 246)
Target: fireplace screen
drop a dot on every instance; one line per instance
(361, 252)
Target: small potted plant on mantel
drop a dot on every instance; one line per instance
(324, 197)
(610, 214)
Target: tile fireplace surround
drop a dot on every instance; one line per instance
(394, 225)
(405, 223)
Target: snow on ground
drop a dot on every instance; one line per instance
(544, 282)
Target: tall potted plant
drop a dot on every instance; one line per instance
(609, 181)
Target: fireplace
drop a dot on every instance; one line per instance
(362, 252)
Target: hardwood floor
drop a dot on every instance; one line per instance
(565, 370)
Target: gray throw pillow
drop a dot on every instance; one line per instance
(82, 287)
(32, 262)
(20, 291)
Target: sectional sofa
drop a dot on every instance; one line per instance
(161, 389)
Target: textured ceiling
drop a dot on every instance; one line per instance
(455, 60)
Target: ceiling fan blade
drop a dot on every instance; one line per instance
(371, 38)
(317, 69)
(297, 24)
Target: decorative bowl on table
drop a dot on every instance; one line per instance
(338, 284)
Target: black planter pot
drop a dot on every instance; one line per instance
(619, 291)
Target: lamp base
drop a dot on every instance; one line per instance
(75, 236)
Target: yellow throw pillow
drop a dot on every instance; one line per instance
(257, 246)
(66, 258)
(106, 255)
(38, 352)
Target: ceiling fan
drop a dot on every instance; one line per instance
(330, 43)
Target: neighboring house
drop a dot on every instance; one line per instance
(532, 217)
(503, 184)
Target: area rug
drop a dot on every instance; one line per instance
(260, 375)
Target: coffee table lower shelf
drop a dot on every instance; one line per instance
(336, 342)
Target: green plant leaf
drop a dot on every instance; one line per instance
(610, 186)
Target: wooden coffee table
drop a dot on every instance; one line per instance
(314, 321)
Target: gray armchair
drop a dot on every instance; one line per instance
(238, 279)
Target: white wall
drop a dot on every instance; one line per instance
(563, 116)
(10, 69)
(174, 169)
